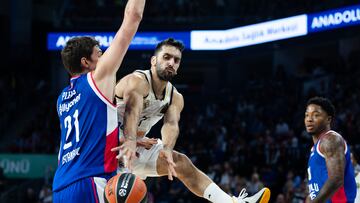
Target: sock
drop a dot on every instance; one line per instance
(216, 195)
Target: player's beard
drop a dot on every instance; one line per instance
(317, 131)
(164, 74)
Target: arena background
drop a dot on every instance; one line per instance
(243, 117)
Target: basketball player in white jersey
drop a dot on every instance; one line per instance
(145, 97)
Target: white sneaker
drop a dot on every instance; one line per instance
(263, 196)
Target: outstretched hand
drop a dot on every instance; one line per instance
(166, 154)
(146, 142)
(127, 152)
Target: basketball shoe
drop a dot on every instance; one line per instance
(263, 196)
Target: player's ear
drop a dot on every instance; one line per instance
(84, 62)
(329, 119)
(153, 60)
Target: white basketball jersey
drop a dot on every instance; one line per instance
(153, 108)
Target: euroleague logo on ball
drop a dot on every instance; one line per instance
(122, 192)
(125, 188)
(124, 185)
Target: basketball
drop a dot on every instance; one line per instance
(125, 188)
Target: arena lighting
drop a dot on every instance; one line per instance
(269, 31)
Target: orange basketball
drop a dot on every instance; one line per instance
(125, 188)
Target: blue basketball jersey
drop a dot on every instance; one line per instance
(318, 174)
(89, 129)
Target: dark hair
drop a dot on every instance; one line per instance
(324, 103)
(75, 49)
(169, 42)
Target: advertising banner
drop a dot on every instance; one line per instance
(249, 35)
(334, 19)
(27, 165)
(141, 41)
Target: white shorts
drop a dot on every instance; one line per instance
(100, 184)
(145, 164)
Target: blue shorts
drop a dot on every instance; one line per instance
(89, 190)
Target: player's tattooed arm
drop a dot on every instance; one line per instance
(333, 148)
(134, 89)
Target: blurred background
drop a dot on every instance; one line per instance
(244, 106)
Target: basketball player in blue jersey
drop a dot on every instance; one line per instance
(330, 171)
(88, 117)
(144, 98)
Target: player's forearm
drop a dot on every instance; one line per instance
(133, 108)
(129, 130)
(131, 119)
(169, 135)
(134, 10)
(329, 188)
(113, 56)
(132, 17)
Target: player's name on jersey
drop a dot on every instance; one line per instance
(68, 95)
(70, 155)
(313, 189)
(65, 107)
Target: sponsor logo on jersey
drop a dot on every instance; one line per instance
(65, 107)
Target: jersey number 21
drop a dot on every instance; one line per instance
(68, 125)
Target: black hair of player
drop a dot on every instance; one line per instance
(324, 103)
(169, 42)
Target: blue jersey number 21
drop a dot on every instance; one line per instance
(68, 126)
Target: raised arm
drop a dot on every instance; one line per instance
(333, 148)
(108, 64)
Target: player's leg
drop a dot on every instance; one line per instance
(193, 178)
(149, 165)
(201, 185)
